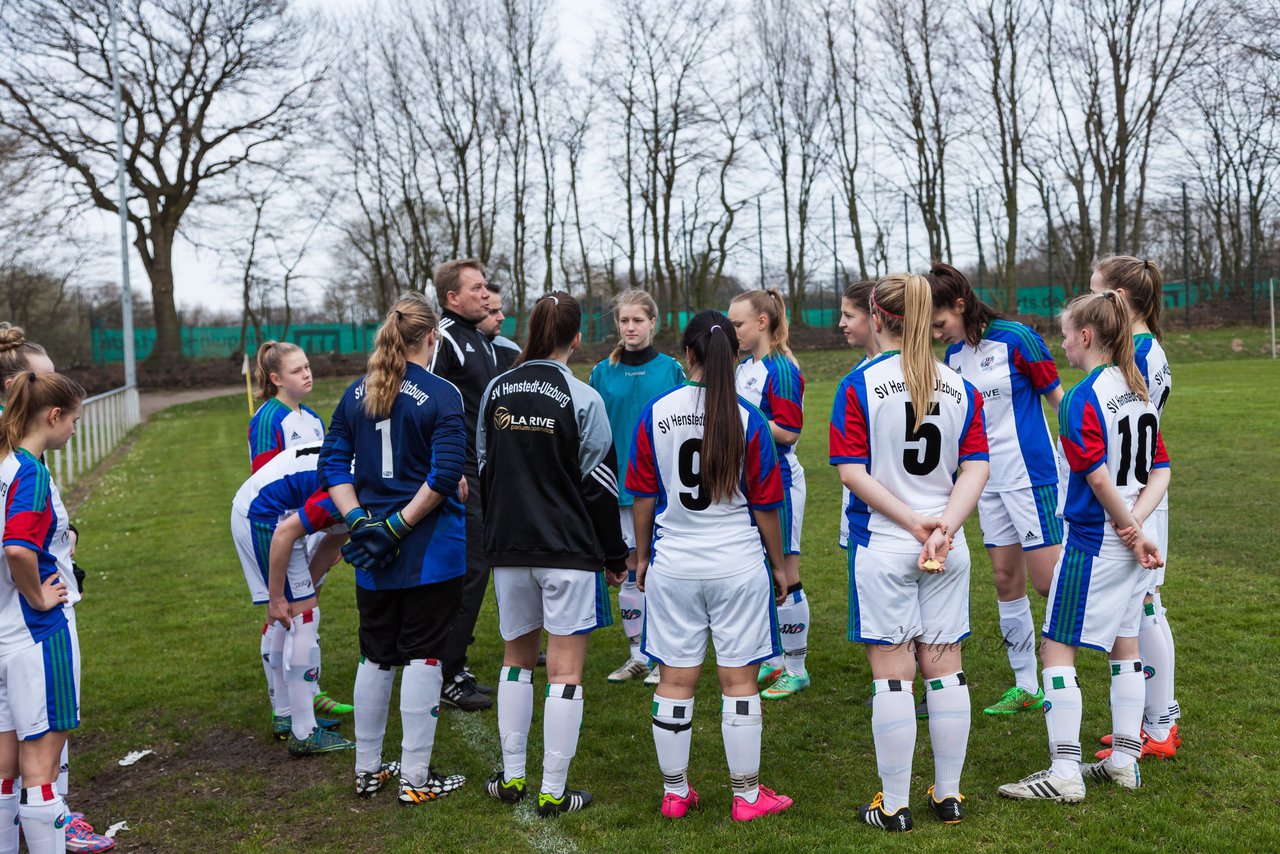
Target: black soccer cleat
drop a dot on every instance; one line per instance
(949, 810)
(507, 791)
(874, 815)
(571, 801)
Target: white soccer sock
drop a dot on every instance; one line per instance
(372, 697)
(672, 735)
(280, 705)
(515, 716)
(1063, 708)
(1175, 711)
(1019, 632)
(38, 812)
(64, 770)
(1153, 648)
(893, 729)
(631, 604)
(420, 685)
(793, 624)
(561, 723)
(8, 817)
(741, 725)
(264, 649)
(1127, 694)
(948, 700)
(315, 685)
(301, 657)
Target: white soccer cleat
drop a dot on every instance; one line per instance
(1044, 786)
(1125, 778)
(631, 669)
(652, 678)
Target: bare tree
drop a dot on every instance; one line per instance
(922, 99)
(843, 39)
(208, 85)
(793, 96)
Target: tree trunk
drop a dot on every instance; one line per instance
(159, 267)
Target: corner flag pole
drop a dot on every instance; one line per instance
(248, 382)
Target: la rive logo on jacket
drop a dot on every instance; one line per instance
(504, 420)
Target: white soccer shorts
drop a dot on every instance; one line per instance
(628, 519)
(39, 688)
(253, 544)
(892, 601)
(1157, 528)
(562, 601)
(737, 613)
(1025, 517)
(1094, 600)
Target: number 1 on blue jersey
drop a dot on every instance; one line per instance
(384, 430)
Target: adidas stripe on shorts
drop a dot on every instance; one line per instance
(562, 601)
(39, 688)
(253, 545)
(1094, 600)
(1026, 517)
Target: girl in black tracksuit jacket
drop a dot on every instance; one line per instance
(551, 530)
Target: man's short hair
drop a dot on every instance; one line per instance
(448, 276)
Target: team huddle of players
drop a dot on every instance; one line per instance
(459, 454)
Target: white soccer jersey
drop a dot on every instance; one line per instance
(873, 424)
(1154, 365)
(1102, 422)
(32, 521)
(60, 547)
(1011, 368)
(694, 537)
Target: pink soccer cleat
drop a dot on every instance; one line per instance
(767, 802)
(674, 806)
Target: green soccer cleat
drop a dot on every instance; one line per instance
(320, 741)
(1016, 700)
(282, 725)
(325, 705)
(769, 674)
(786, 685)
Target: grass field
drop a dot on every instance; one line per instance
(170, 663)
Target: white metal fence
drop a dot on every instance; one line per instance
(105, 420)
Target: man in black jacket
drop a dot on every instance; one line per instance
(464, 356)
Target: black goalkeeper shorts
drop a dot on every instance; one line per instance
(399, 625)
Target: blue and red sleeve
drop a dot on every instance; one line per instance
(1161, 460)
(973, 440)
(642, 471)
(266, 437)
(784, 393)
(28, 512)
(848, 438)
(762, 473)
(319, 512)
(1084, 438)
(1031, 358)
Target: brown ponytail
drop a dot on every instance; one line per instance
(904, 304)
(859, 293)
(554, 322)
(15, 353)
(949, 286)
(631, 296)
(30, 395)
(1142, 283)
(410, 319)
(771, 305)
(1107, 315)
(713, 345)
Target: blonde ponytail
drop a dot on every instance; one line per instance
(410, 320)
(1107, 315)
(904, 303)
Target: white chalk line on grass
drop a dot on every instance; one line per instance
(483, 742)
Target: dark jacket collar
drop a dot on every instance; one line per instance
(638, 357)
